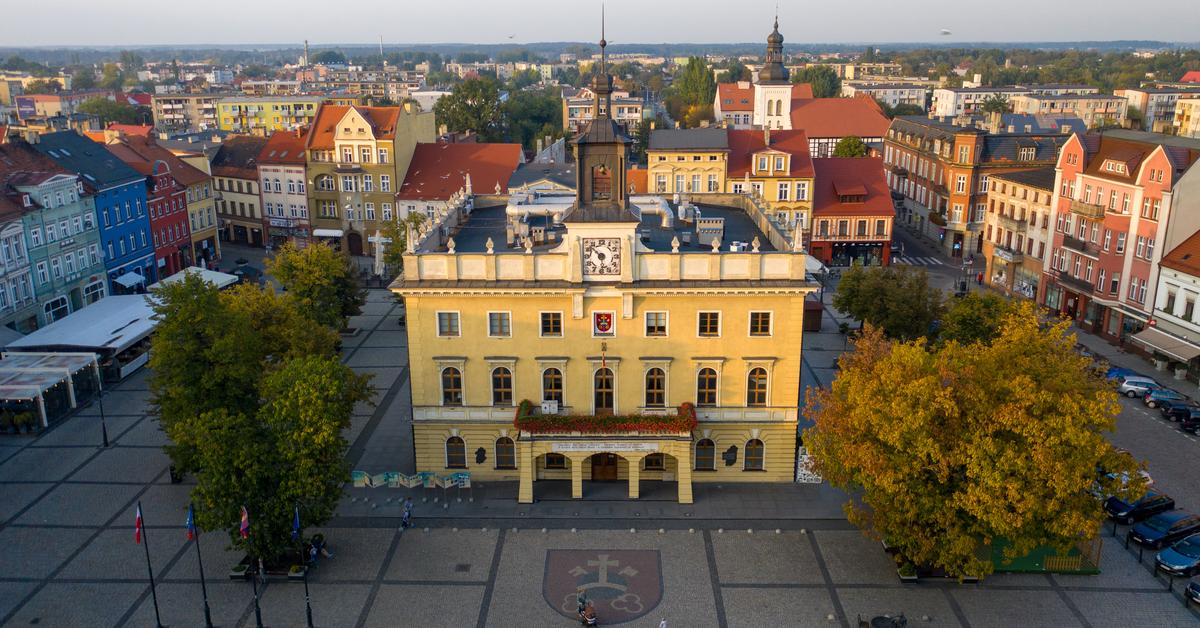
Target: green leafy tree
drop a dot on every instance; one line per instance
(287, 453)
(952, 448)
(533, 114)
(256, 71)
(694, 85)
(736, 72)
(40, 86)
(473, 105)
(975, 317)
(823, 79)
(111, 77)
(897, 299)
(995, 104)
(83, 78)
(850, 146)
(524, 78)
(322, 282)
(397, 232)
(328, 56)
(111, 111)
(641, 140)
(1135, 117)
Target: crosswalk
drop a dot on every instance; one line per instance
(918, 261)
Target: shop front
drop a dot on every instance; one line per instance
(842, 254)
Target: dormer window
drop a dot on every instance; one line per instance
(1027, 153)
(762, 164)
(779, 164)
(1114, 166)
(26, 200)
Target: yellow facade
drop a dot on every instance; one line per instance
(265, 115)
(202, 213)
(681, 172)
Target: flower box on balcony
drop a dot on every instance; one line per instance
(684, 420)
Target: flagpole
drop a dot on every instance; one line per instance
(244, 528)
(200, 561)
(303, 561)
(149, 568)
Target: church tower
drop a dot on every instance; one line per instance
(773, 91)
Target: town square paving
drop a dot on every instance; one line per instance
(779, 555)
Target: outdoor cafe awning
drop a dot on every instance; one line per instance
(1165, 343)
(130, 280)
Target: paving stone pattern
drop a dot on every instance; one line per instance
(67, 510)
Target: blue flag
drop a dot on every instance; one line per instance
(191, 523)
(296, 524)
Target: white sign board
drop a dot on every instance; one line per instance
(603, 446)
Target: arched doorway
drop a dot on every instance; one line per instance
(354, 243)
(604, 467)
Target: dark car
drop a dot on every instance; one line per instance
(1117, 372)
(1165, 528)
(1176, 407)
(1193, 590)
(1191, 422)
(1149, 505)
(1181, 559)
(1159, 396)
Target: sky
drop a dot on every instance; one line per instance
(126, 22)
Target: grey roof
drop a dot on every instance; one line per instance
(557, 172)
(689, 139)
(599, 214)
(603, 131)
(99, 168)
(1040, 178)
(1154, 138)
(1007, 146)
(1041, 123)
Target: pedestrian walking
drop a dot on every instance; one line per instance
(979, 278)
(406, 518)
(663, 623)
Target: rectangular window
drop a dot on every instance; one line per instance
(552, 324)
(709, 324)
(655, 462)
(447, 324)
(760, 323)
(385, 183)
(370, 210)
(387, 211)
(347, 183)
(383, 155)
(960, 183)
(347, 154)
(802, 190)
(365, 154)
(656, 323)
(712, 183)
(368, 185)
(784, 188)
(1121, 242)
(556, 461)
(499, 324)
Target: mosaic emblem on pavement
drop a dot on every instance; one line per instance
(622, 585)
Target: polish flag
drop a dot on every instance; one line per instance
(137, 526)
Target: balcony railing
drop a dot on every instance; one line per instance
(1076, 244)
(1011, 223)
(1087, 210)
(1065, 279)
(1007, 254)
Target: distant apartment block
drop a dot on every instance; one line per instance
(954, 101)
(1094, 109)
(579, 107)
(890, 94)
(265, 115)
(1157, 104)
(185, 112)
(1187, 117)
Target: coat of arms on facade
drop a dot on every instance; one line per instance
(623, 585)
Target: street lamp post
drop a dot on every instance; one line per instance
(100, 400)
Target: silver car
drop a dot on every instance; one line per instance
(1136, 386)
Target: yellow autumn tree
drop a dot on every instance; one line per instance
(945, 449)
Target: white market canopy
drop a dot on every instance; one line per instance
(26, 376)
(111, 324)
(216, 278)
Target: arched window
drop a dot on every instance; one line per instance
(552, 385)
(754, 455)
(706, 387)
(756, 387)
(603, 386)
(451, 387)
(506, 453)
(656, 388)
(456, 453)
(706, 455)
(502, 387)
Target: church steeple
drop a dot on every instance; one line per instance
(773, 70)
(602, 82)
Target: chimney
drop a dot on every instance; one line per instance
(767, 136)
(32, 137)
(994, 122)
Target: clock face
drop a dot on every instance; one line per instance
(602, 256)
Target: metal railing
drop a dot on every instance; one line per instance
(1087, 210)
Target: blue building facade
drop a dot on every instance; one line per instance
(121, 209)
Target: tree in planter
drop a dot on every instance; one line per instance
(321, 281)
(289, 452)
(212, 348)
(951, 447)
(897, 299)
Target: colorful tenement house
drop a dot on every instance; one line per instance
(284, 195)
(62, 243)
(357, 158)
(121, 207)
(1122, 198)
(1176, 331)
(941, 169)
(171, 183)
(852, 212)
(1017, 230)
(239, 202)
(598, 337)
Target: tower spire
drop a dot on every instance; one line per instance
(603, 42)
(602, 82)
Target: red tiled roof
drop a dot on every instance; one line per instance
(438, 171)
(238, 157)
(1192, 76)
(1131, 154)
(839, 176)
(744, 144)
(284, 147)
(143, 130)
(1185, 257)
(21, 164)
(96, 136)
(840, 117)
(141, 153)
(735, 98)
(138, 99)
(382, 120)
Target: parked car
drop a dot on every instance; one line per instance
(1181, 559)
(1193, 590)
(1191, 422)
(1169, 407)
(1116, 372)
(1165, 528)
(1135, 385)
(1155, 397)
(1146, 506)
